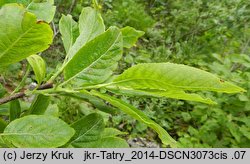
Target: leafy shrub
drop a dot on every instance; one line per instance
(87, 73)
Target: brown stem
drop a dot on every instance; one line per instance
(22, 94)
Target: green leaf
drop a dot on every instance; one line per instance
(175, 94)
(39, 105)
(69, 31)
(107, 142)
(95, 101)
(140, 116)
(245, 131)
(169, 76)
(21, 35)
(43, 10)
(24, 2)
(89, 128)
(130, 36)
(2, 91)
(95, 62)
(52, 110)
(90, 26)
(3, 125)
(37, 132)
(111, 132)
(39, 67)
(15, 110)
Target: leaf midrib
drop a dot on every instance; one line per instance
(93, 63)
(75, 140)
(172, 86)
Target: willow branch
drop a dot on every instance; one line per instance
(22, 94)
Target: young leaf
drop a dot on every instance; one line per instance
(69, 31)
(15, 110)
(130, 36)
(39, 67)
(43, 10)
(95, 62)
(38, 131)
(90, 26)
(21, 35)
(39, 105)
(89, 128)
(139, 115)
(169, 76)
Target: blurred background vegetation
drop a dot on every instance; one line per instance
(210, 35)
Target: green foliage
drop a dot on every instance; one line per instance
(39, 104)
(19, 30)
(2, 90)
(15, 110)
(90, 25)
(137, 114)
(131, 36)
(127, 13)
(44, 10)
(90, 73)
(101, 54)
(37, 131)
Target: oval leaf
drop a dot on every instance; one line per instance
(38, 131)
(39, 67)
(21, 35)
(169, 76)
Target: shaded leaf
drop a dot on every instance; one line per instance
(38, 131)
(175, 94)
(89, 128)
(3, 124)
(2, 91)
(39, 104)
(15, 110)
(107, 142)
(95, 101)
